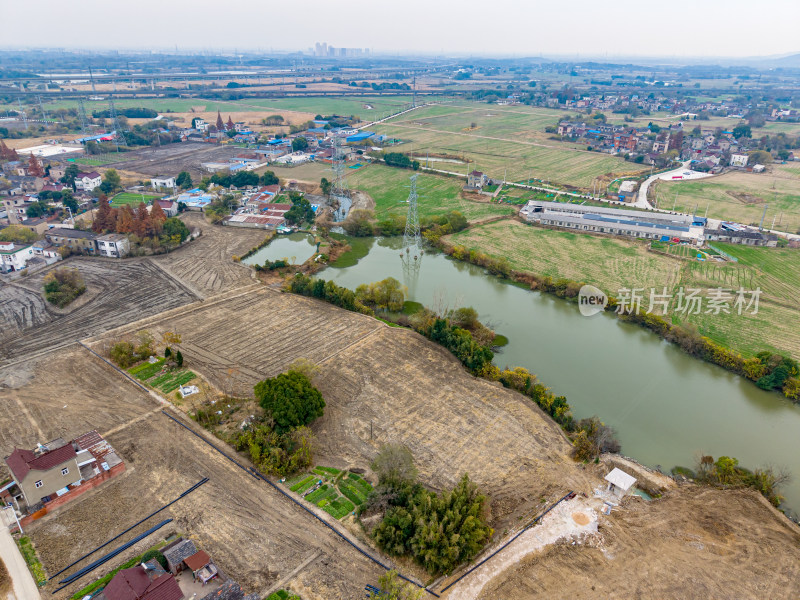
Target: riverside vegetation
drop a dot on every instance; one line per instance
(590, 437)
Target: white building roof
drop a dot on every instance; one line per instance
(620, 479)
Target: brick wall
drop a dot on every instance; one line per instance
(74, 493)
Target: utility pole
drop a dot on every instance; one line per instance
(761, 224)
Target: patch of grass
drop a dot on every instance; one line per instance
(410, 307)
(34, 565)
(134, 199)
(389, 188)
(500, 341)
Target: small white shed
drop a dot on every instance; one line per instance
(619, 482)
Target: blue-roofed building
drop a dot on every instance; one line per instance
(360, 136)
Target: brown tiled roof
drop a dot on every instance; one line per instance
(88, 440)
(163, 588)
(198, 560)
(128, 584)
(21, 462)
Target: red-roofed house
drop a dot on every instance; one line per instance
(43, 472)
(88, 181)
(169, 207)
(136, 584)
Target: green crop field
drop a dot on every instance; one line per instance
(613, 263)
(135, 199)
(389, 188)
(740, 196)
(506, 142)
(101, 160)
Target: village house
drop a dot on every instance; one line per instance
(158, 183)
(739, 160)
(27, 184)
(14, 257)
(15, 208)
(57, 171)
(113, 245)
(477, 179)
(76, 240)
(147, 581)
(88, 181)
(619, 483)
(169, 207)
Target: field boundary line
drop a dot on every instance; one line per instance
(258, 475)
(127, 424)
(504, 546)
(28, 415)
(186, 286)
(351, 344)
(286, 579)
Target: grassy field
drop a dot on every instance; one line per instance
(135, 199)
(606, 262)
(100, 160)
(389, 188)
(506, 141)
(724, 196)
(612, 264)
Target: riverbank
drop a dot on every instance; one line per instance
(759, 367)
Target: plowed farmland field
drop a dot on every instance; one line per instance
(254, 534)
(382, 385)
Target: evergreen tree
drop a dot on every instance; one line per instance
(230, 126)
(220, 125)
(142, 227)
(290, 399)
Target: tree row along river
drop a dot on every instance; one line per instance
(667, 407)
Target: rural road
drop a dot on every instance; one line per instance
(24, 585)
(641, 198)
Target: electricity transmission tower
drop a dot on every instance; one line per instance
(119, 135)
(82, 116)
(411, 254)
(41, 108)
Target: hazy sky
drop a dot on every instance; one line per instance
(505, 27)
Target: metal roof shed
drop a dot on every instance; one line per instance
(619, 482)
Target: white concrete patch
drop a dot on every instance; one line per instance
(571, 520)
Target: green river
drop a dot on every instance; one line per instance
(667, 408)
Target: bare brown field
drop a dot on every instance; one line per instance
(173, 158)
(695, 543)
(123, 291)
(383, 385)
(206, 265)
(254, 534)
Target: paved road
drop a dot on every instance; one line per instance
(641, 198)
(24, 585)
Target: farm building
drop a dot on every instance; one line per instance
(142, 582)
(14, 257)
(627, 191)
(593, 219)
(477, 179)
(619, 482)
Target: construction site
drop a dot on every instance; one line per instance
(381, 385)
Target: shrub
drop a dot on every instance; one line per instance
(63, 285)
(122, 354)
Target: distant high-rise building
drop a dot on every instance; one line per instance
(322, 49)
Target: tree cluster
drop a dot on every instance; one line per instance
(281, 443)
(127, 352)
(727, 472)
(63, 285)
(439, 531)
(387, 294)
(398, 159)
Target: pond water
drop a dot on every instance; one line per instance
(667, 407)
(296, 247)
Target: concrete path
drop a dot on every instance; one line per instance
(641, 198)
(24, 587)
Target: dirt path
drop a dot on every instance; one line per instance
(571, 520)
(24, 587)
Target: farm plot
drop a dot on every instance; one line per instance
(226, 344)
(64, 394)
(20, 309)
(336, 492)
(157, 375)
(174, 158)
(253, 533)
(121, 292)
(709, 536)
(134, 199)
(513, 159)
(606, 262)
(740, 197)
(206, 265)
(389, 188)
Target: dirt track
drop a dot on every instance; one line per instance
(694, 544)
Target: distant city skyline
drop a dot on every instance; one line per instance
(734, 28)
